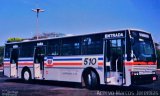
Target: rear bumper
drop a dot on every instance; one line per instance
(143, 79)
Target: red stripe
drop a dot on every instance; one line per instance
(68, 64)
(140, 63)
(25, 63)
(65, 64)
(6, 63)
(100, 63)
(1, 68)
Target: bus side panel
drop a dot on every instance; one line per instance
(72, 75)
(7, 67)
(51, 73)
(73, 69)
(19, 72)
(64, 68)
(100, 71)
(7, 71)
(128, 75)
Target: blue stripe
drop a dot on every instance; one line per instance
(100, 58)
(68, 59)
(49, 57)
(25, 60)
(6, 60)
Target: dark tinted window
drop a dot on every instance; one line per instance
(14, 55)
(27, 49)
(53, 47)
(7, 51)
(92, 44)
(70, 46)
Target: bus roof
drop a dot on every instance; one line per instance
(25, 41)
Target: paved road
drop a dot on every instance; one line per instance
(15, 87)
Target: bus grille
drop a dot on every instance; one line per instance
(144, 68)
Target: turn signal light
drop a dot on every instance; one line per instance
(154, 78)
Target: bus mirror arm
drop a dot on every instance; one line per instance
(132, 41)
(134, 58)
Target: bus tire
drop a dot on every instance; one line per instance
(26, 75)
(91, 80)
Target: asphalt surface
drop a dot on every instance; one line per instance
(16, 87)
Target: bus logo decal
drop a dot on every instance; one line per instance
(49, 61)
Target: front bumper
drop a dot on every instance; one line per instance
(143, 79)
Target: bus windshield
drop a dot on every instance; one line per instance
(143, 49)
(146, 48)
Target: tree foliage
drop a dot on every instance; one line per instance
(14, 40)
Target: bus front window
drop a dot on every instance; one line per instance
(146, 48)
(143, 51)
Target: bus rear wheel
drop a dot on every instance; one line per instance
(26, 75)
(91, 80)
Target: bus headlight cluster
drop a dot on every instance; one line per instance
(134, 73)
(153, 72)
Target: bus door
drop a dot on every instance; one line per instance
(114, 59)
(39, 54)
(14, 62)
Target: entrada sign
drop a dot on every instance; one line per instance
(113, 35)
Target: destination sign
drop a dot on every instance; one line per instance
(40, 43)
(143, 35)
(15, 46)
(113, 35)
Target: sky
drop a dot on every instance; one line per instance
(77, 17)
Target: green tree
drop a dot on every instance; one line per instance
(14, 40)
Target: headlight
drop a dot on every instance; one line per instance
(134, 73)
(153, 72)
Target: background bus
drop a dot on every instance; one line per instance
(121, 58)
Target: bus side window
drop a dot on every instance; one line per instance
(14, 56)
(53, 47)
(36, 56)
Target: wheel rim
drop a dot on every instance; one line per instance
(89, 79)
(26, 75)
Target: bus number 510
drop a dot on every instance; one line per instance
(90, 61)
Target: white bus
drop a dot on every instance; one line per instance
(122, 58)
